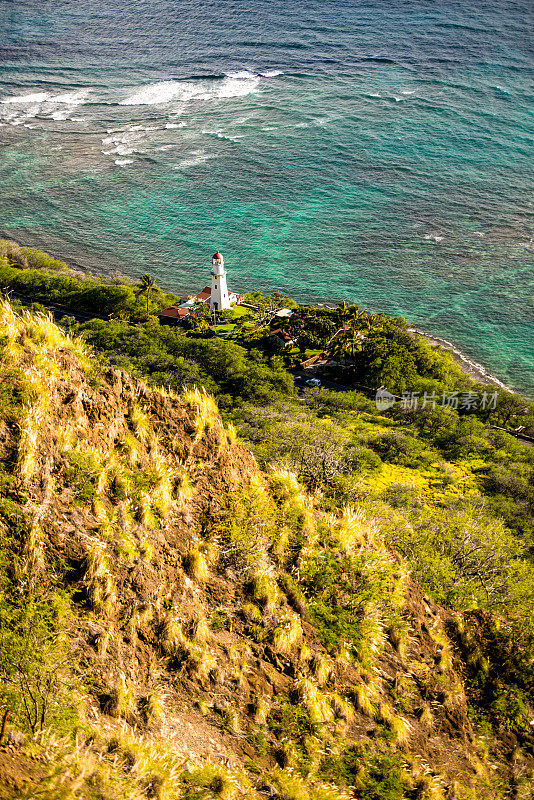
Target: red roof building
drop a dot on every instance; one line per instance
(172, 315)
(205, 294)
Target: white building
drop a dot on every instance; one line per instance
(220, 298)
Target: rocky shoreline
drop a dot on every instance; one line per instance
(472, 368)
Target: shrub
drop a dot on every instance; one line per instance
(37, 662)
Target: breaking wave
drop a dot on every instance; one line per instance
(233, 84)
(70, 98)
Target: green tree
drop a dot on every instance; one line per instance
(146, 286)
(36, 659)
(199, 319)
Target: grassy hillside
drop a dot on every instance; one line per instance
(177, 622)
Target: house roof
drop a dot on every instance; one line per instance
(283, 335)
(205, 294)
(283, 312)
(174, 311)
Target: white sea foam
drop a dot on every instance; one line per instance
(176, 124)
(126, 141)
(238, 85)
(124, 150)
(153, 94)
(37, 97)
(221, 135)
(196, 157)
(70, 98)
(235, 84)
(408, 91)
(271, 73)
(243, 73)
(121, 162)
(29, 106)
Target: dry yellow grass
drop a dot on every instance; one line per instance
(33, 553)
(173, 635)
(262, 707)
(343, 708)
(39, 333)
(140, 422)
(204, 407)
(287, 632)
(99, 581)
(316, 703)
(32, 418)
(185, 490)
(197, 565)
(266, 591)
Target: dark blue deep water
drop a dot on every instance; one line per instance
(378, 151)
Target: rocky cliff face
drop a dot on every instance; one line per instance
(231, 639)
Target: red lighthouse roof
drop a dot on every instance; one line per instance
(217, 254)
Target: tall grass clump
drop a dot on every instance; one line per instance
(351, 530)
(204, 407)
(155, 707)
(184, 489)
(321, 669)
(231, 433)
(287, 632)
(39, 333)
(265, 591)
(172, 636)
(99, 581)
(123, 699)
(33, 553)
(366, 698)
(32, 418)
(197, 564)
(162, 496)
(144, 511)
(132, 448)
(317, 704)
(140, 422)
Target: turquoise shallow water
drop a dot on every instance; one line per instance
(367, 151)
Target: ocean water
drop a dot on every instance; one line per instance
(377, 152)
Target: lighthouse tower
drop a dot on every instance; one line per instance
(220, 298)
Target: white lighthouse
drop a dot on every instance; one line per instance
(220, 297)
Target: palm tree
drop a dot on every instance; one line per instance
(343, 312)
(337, 348)
(146, 286)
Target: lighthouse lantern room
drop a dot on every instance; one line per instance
(220, 297)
